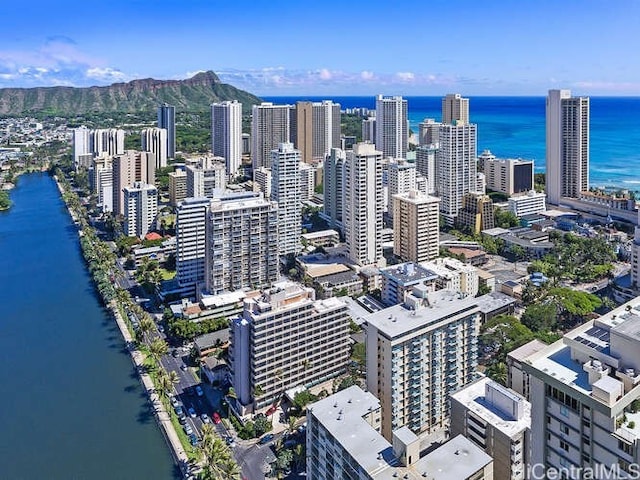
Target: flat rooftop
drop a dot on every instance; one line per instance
(473, 397)
(526, 350)
(408, 273)
(398, 320)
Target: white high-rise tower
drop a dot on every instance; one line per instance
(567, 165)
(226, 134)
(285, 189)
(270, 126)
(392, 128)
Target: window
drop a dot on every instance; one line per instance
(564, 429)
(564, 445)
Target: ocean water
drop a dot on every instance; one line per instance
(514, 127)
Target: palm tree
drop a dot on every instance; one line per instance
(498, 372)
(174, 378)
(292, 422)
(299, 456)
(164, 384)
(145, 326)
(158, 348)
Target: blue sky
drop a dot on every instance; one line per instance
(285, 47)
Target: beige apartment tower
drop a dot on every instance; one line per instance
(416, 231)
(128, 168)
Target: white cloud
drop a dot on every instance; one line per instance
(325, 74)
(106, 74)
(406, 76)
(366, 75)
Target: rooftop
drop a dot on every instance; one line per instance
(408, 273)
(526, 350)
(473, 397)
(398, 320)
(493, 301)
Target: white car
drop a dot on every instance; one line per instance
(205, 418)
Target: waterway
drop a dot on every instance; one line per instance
(71, 405)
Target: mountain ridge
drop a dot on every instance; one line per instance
(191, 94)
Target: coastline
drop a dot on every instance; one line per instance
(162, 416)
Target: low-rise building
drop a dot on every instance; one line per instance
(527, 203)
(399, 280)
(454, 275)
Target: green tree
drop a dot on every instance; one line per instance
(5, 203)
(284, 459)
(158, 348)
(507, 331)
(498, 372)
(539, 317)
(262, 425)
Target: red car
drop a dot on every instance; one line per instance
(271, 410)
(216, 417)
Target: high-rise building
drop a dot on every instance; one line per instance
(508, 176)
(262, 181)
(344, 442)
(141, 209)
(392, 127)
(177, 186)
(369, 130)
(416, 230)
(456, 168)
(498, 420)
(421, 352)
(109, 141)
(242, 242)
(635, 258)
(128, 168)
(476, 213)
(401, 178)
(81, 144)
(226, 134)
(205, 177)
(101, 179)
(455, 108)
(333, 187)
(428, 131)
(270, 126)
(584, 393)
(363, 204)
(567, 161)
(167, 120)
(154, 140)
(191, 216)
(426, 160)
(285, 189)
(310, 344)
(307, 181)
(317, 129)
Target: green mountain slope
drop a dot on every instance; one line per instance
(193, 94)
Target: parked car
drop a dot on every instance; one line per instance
(182, 419)
(205, 418)
(175, 402)
(193, 439)
(187, 429)
(266, 439)
(199, 391)
(216, 417)
(192, 412)
(179, 410)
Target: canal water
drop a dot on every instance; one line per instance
(71, 406)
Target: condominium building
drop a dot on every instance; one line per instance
(508, 176)
(585, 396)
(242, 242)
(191, 218)
(456, 171)
(270, 126)
(285, 189)
(141, 209)
(498, 421)
(226, 134)
(567, 159)
(418, 353)
(455, 108)
(428, 131)
(262, 181)
(398, 280)
(401, 178)
(635, 258)
(416, 229)
(101, 181)
(334, 187)
(307, 175)
(154, 140)
(285, 339)
(392, 127)
(476, 213)
(109, 141)
(517, 379)
(317, 129)
(528, 203)
(426, 160)
(363, 204)
(167, 120)
(177, 186)
(344, 442)
(454, 275)
(80, 144)
(128, 168)
(206, 177)
(369, 129)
